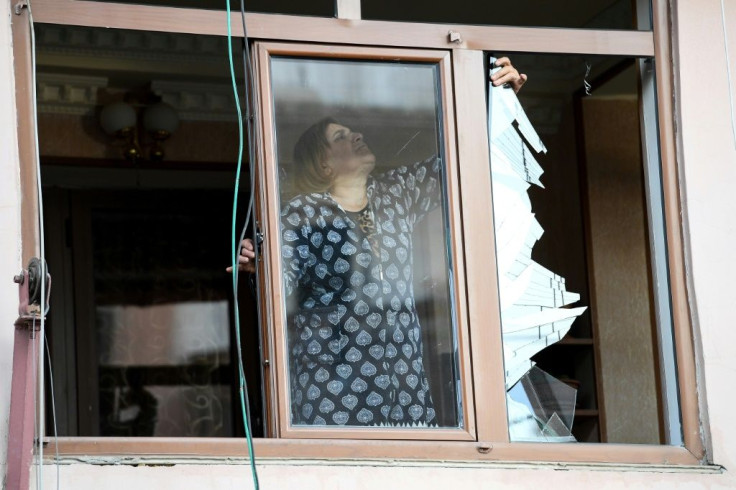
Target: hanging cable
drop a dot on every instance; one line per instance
(731, 88)
(53, 415)
(36, 422)
(42, 256)
(243, 387)
(251, 104)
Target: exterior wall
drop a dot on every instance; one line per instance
(709, 162)
(10, 255)
(709, 177)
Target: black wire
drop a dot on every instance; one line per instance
(250, 104)
(53, 411)
(253, 141)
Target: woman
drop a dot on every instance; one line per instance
(354, 338)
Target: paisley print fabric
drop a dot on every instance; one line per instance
(355, 341)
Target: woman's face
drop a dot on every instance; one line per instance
(347, 153)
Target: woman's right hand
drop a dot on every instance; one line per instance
(508, 75)
(247, 257)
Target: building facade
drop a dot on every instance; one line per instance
(691, 445)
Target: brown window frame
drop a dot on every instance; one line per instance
(274, 283)
(491, 442)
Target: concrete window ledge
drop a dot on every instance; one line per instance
(153, 461)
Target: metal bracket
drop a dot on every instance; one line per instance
(260, 237)
(23, 385)
(29, 311)
(18, 8)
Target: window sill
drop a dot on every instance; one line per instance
(602, 457)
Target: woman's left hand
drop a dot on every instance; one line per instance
(508, 75)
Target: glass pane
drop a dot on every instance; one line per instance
(585, 312)
(320, 8)
(592, 14)
(365, 244)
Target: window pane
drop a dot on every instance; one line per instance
(586, 328)
(594, 14)
(320, 8)
(141, 320)
(365, 244)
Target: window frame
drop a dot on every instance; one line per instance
(269, 204)
(466, 54)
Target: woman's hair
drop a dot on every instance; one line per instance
(310, 153)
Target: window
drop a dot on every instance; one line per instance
(444, 97)
(578, 242)
(369, 336)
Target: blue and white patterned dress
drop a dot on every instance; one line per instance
(355, 340)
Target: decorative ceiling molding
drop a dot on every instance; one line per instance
(61, 93)
(198, 101)
(130, 44)
(68, 94)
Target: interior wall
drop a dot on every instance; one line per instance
(558, 209)
(620, 281)
(71, 136)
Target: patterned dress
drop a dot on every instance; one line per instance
(354, 338)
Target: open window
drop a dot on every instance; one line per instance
(419, 102)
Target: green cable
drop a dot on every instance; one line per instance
(241, 374)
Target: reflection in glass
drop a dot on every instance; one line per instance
(370, 329)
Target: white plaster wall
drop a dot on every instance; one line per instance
(709, 163)
(709, 158)
(10, 256)
(199, 477)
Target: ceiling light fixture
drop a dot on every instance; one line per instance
(159, 122)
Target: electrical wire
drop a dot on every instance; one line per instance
(252, 137)
(42, 256)
(53, 415)
(728, 71)
(251, 105)
(243, 387)
(39, 365)
(35, 395)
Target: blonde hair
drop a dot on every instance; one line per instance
(310, 153)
